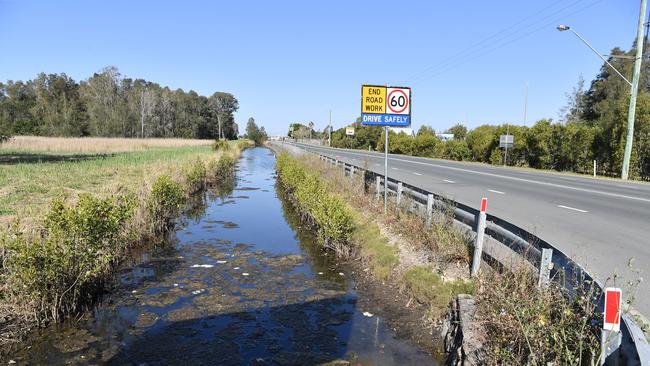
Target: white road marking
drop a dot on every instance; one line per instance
(572, 208)
(513, 178)
(416, 173)
(394, 168)
(492, 190)
(448, 181)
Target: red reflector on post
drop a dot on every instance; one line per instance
(612, 316)
(483, 204)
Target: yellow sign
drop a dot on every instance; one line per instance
(373, 99)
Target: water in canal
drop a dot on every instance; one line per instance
(241, 283)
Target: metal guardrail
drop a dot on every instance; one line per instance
(634, 349)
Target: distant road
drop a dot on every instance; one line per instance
(600, 223)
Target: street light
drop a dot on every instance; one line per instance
(563, 28)
(625, 169)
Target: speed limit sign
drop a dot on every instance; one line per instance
(398, 100)
(385, 105)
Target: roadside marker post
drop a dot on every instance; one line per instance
(400, 189)
(377, 186)
(610, 338)
(545, 267)
(480, 234)
(387, 106)
(429, 208)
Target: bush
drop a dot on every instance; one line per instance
(325, 211)
(220, 145)
(164, 203)
(195, 176)
(221, 169)
(66, 268)
(531, 326)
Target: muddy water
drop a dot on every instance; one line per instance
(241, 283)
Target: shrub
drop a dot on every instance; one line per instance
(532, 326)
(195, 176)
(324, 210)
(164, 203)
(221, 169)
(56, 274)
(220, 145)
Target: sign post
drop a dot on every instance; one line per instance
(387, 106)
(506, 141)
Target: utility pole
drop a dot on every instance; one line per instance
(635, 88)
(330, 130)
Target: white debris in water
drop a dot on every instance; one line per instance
(180, 257)
(202, 266)
(245, 274)
(367, 314)
(196, 292)
(12, 362)
(175, 285)
(341, 274)
(320, 273)
(222, 262)
(236, 268)
(134, 291)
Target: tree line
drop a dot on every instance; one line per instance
(592, 126)
(108, 104)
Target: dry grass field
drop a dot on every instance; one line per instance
(93, 144)
(33, 170)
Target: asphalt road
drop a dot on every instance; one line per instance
(600, 223)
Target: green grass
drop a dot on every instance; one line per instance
(381, 256)
(429, 288)
(27, 187)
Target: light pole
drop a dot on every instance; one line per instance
(634, 85)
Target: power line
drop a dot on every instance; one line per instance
(468, 49)
(501, 45)
(507, 39)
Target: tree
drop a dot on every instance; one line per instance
(426, 130)
(459, 131)
(258, 135)
(576, 107)
(108, 104)
(479, 141)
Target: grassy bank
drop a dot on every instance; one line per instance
(521, 323)
(396, 248)
(68, 223)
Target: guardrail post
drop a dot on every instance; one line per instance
(545, 267)
(351, 171)
(429, 208)
(400, 189)
(377, 186)
(480, 234)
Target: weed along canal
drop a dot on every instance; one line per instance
(240, 282)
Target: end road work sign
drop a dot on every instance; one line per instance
(385, 106)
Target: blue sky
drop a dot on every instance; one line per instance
(288, 62)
